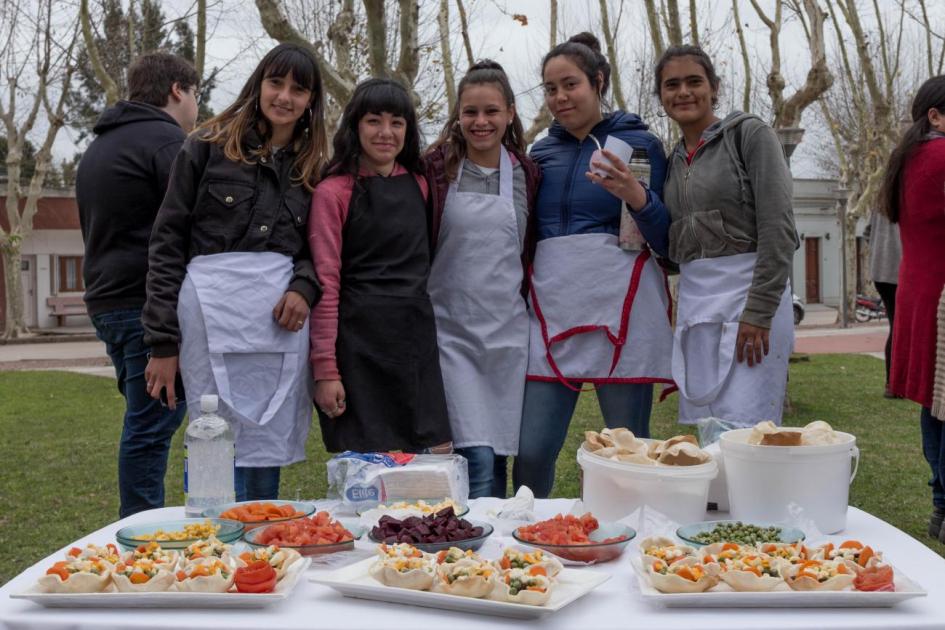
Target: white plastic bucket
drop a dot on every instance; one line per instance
(613, 489)
(771, 484)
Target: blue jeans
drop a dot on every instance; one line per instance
(487, 471)
(545, 418)
(148, 425)
(933, 447)
(257, 484)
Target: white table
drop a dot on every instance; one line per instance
(616, 604)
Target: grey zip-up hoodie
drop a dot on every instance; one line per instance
(735, 197)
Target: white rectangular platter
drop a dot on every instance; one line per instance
(354, 581)
(171, 599)
(722, 596)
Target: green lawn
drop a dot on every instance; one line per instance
(59, 434)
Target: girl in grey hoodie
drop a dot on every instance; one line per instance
(728, 190)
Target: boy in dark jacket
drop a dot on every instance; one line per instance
(120, 184)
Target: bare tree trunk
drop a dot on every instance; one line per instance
(746, 63)
(443, 21)
(819, 79)
(109, 86)
(21, 223)
(464, 24)
(656, 32)
(408, 63)
(612, 56)
(543, 118)
(693, 23)
(673, 25)
(377, 37)
(200, 54)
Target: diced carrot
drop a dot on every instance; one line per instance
(138, 578)
(865, 555)
(537, 570)
(851, 544)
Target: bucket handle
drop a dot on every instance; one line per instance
(856, 462)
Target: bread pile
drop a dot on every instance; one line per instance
(621, 445)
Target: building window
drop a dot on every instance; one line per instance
(70, 274)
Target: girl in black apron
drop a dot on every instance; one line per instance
(374, 352)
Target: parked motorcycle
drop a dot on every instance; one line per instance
(868, 308)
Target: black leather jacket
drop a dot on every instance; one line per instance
(214, 205)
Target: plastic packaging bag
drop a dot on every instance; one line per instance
(366, 479)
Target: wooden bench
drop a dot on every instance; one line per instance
(62, 307)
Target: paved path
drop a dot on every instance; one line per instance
(859, 339)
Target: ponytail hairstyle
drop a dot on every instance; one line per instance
(374, 96)
(699, 56)
(584, 50)
(309, 140)
(482, 72)
(931, 95)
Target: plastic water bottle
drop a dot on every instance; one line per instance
(630, 238)
(209, 454)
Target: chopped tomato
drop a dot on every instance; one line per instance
(564, 529)
(75, 552)
(851, 544)
(865, 555)
(318, 529)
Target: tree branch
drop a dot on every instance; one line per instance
(464, 24)
(612, 56)
(107, 83)
(743, 46)
(376, 37)
(656, 33)
(443, 22)
(693, 23)
(408, 64)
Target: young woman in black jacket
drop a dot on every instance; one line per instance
(230, 281)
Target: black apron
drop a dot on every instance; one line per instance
(386, 348)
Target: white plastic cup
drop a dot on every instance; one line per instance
(616, 146)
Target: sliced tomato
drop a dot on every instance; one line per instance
(59, 569)
(258, 577)
(876, 578)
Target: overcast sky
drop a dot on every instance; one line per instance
(238, 41)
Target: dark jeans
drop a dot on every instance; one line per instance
(488, 474)
(148, 426)
(257, 484)
(887, 293)
(933, 447)
(545, 418)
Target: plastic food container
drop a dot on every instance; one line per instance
(593, 552)
(613, 489)
(787, 483)
(228, 532)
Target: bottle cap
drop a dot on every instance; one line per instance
(209, 403)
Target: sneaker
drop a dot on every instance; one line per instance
(935, 524)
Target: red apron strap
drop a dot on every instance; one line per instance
(618, 342)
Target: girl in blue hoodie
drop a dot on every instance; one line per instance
(600, 314)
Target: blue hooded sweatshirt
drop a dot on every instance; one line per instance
(569, 203)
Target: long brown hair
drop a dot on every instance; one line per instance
(931, 95)
(310, 141)
(451, 138)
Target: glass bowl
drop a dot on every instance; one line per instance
(251, 538)
(687, 533)
(469, 544)
(589, 553)
(306, 509)
(228, 532)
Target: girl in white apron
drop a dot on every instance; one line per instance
(729, 193)
(230, 279)
(599, 313)
(483, 190)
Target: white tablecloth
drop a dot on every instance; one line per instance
(616, 604)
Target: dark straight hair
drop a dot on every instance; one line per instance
(931, 95)
(483, 72)
(699, 56)
(374, 96)
(584, 50)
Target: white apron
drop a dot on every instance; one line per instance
(599, 314)
(712, 296)
(481, 321)
(232, 346)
